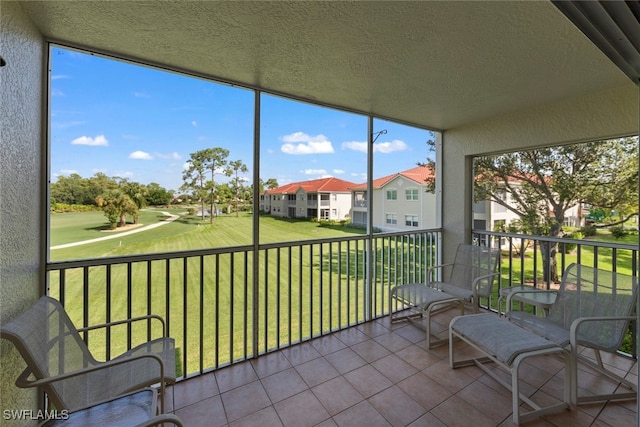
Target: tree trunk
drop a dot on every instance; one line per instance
(212, 210)
(549, 262)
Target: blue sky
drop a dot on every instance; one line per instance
(141, 123)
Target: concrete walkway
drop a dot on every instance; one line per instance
(118, 235)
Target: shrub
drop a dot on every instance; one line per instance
(618, 232)
(568, 247)
(588, 230)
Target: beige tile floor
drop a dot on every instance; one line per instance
(381, 374)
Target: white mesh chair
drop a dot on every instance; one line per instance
(593, 309)
(467, 279)
(59, 361)
(135, 409)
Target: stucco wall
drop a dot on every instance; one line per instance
(602, 114)
(21, 120)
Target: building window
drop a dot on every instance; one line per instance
(411, 220)
(392, 195)
(411, 194)
(391, 219)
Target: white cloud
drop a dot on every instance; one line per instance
(299, 143)
(355, 146)
(174, 156)
(194, 123)
(60, 76)
(378, 147)
(99, 140)
(314, 171)
(338, 171)
(56, 92)
(140, 155)
(141, 95)
(389, 147)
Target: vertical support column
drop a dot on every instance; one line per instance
(438, 188)
(637, 322)
(369, 243)
(256, 223)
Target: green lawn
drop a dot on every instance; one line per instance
(297, 299)
(213, 322)
(186, 233)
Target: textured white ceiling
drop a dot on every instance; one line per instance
(434, 64)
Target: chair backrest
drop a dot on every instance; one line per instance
(471, 262)
(50, 345)
(590, 292)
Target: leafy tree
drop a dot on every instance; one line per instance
(541, 185)
(76, 190)
(100, 183)
(137, 193)
(224, 193)
(116, 205)
(158, 195)
(235, 168)
(270, 184)
(68, 189)
(194, 180)
(200, 166)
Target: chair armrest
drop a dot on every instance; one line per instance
(125, 321)
(525, 291)
(477, 280)
(433, 268)
(24, 382)
(573, 331)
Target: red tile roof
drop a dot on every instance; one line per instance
(418, 174)
(334, 185)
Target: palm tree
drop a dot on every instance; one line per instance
(116, 205)
(235, 168)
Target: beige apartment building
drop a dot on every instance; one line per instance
(400, 201)
(325, 198)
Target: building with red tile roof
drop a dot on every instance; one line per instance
(324, 198)
(400, 201)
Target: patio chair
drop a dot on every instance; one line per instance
(59, 361)
(470, 277)
(135, 409)
(593, 309)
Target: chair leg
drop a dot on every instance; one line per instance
(431, 309)
(599, 367)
